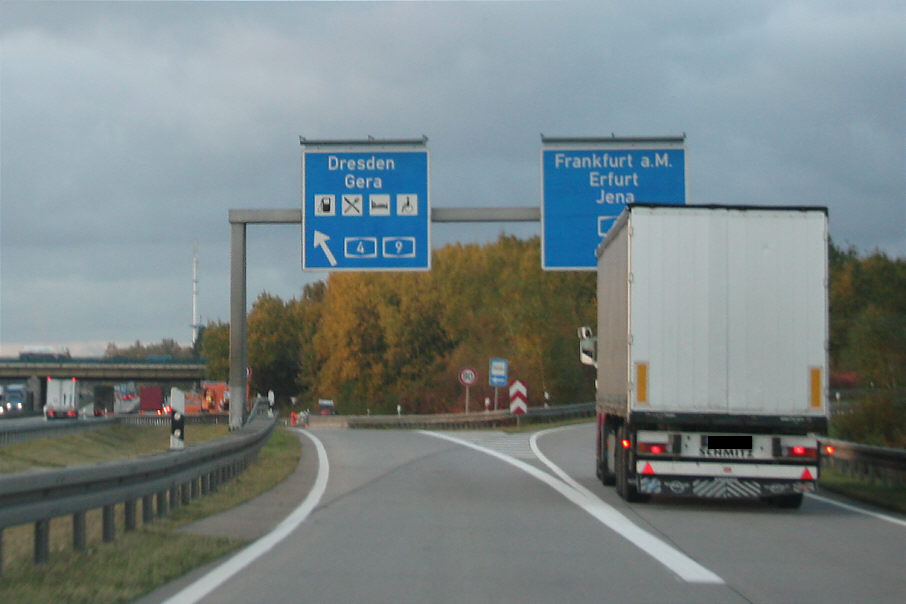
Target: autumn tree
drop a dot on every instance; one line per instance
(306, 316)
(868, 316)
(273, 345)
(415, 339)
(215, 348)
(349, 343)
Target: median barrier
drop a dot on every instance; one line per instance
(160, 482)
(455, 421)
(875, 465)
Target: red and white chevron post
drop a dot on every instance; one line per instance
(518, 398)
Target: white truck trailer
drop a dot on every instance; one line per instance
(62, 399)
(711, 351)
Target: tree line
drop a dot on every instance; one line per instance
(868, 318)
(372, 341)
(868, 346)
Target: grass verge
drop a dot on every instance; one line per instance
(142, 560)
(891, 498)
(95, 446)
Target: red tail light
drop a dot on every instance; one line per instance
(800, 451)
(653, 448)
(626, 443)
(829, 449)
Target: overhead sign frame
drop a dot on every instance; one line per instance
(366, 205)
(586, 183)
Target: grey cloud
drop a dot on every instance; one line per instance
(127, 130)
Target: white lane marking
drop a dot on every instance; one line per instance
(514, 445)
(533, 444)
(853, 508)
(218, 576)
(685, 567)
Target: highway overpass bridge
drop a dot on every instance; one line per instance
(103, 370)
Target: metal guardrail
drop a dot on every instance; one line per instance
(171, 478)
(164, 420)
(881, 465)
(456, 421)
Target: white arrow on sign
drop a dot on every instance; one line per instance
(321, 241)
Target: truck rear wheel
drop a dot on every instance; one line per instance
(606, 466)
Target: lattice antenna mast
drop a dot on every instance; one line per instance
(195, 324)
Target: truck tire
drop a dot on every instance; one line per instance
(599, 456)
(606, 468)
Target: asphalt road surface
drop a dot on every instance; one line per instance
(406, 516)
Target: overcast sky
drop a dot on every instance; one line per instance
(128, 129)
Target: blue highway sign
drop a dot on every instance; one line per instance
(586, 183)
(365, 207)
(498, 372)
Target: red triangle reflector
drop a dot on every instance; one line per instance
(806, 475)
(648, 469)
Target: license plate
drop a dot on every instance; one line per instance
(729, 442)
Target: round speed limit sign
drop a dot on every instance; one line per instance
(468, 376)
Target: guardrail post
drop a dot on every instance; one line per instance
(161, 504)
(109, 523)
(130, 514)
(147, 509)
(42, 541)
(79, 538)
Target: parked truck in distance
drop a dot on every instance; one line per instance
(711, 352)
(125, 398)
(14, 400)
(151, 399)
(62, 399)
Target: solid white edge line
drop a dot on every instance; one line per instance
(859, 510)
(679, 563)
(218, 576)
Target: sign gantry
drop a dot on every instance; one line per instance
(366, 206)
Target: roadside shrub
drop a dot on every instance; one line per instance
(878, 419)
